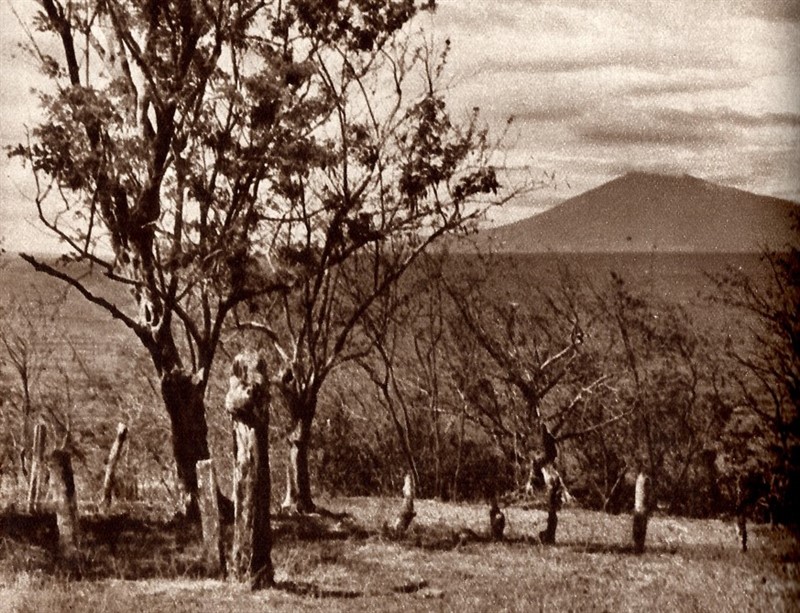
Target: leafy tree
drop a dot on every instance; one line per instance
(169, 127)
(187, 146)
(388, 174)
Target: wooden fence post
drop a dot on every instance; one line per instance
(742, 500)
(35, 483)
(209, 516)
(406, 515)
(641, 511)
(62, 482)
(111, 463)
(497, 521)
(247, 402)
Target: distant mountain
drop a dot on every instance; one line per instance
(644, 212)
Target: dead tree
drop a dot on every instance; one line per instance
(641, 511)
(529, 357)
(111, 463)
(247, 402)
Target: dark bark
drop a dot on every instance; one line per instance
(66, 504)
(497, 521)
(555, 491)
(183, 399)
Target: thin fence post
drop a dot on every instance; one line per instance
(209, 516)
(35, 483)
(641, 511)
(111, 463)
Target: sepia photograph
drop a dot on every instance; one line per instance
(399, 305)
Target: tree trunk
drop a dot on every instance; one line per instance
(298, 480)
(183, 399)
(555, 492)
(247, 402)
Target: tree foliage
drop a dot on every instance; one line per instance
(203, 155)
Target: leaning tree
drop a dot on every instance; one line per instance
(390, 174)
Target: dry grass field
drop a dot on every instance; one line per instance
(688, 566)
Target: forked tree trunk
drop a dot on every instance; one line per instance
(298, 480)
(247, 402)
(183, 399)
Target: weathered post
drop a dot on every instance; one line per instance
(406, 515)
(555, 493)
(247, 402)
(742, 501)
(209, 516)
(111, 464)
(62, 484)
(641, 511)
(35, 483)
(497, 521)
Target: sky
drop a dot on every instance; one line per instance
(596, 88)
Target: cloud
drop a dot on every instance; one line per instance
(549, 113)
(691, 83)
(743, 120)
(666, 126)
(773, 10)
(622, 127)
